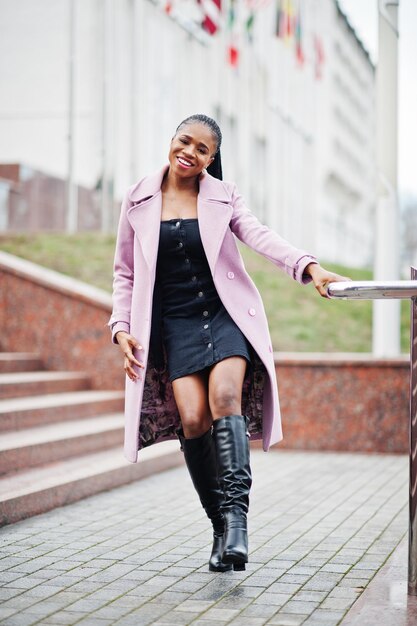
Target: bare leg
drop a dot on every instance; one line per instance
(225, 386)
(191, 397)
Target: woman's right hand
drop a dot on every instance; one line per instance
(126, 342)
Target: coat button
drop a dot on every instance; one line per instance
(200, 294)
(180, 245)
(252, 312)
(177, 224)
(230, 275)
(205, 313)
(205, 326)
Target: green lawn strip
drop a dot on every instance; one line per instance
(299, 320)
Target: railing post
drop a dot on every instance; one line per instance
(412, 532)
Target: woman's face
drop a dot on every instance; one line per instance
(192, 149)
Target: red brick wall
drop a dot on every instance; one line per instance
(65, 321)
(339, 402)
(345, 402)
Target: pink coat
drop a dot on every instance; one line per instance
(151, 414)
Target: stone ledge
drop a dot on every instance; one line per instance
(339, 359)
(55, 280)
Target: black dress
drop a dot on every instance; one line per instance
(195, 328)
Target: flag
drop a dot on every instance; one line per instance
(211, 15)
(231, 18)
(252, 7)
(249, 26)
(289, 31)
(284, 26)
(232, 49)
(168, 6)
(233, 55)
(298, 36)
(279, 24)
(319, 57)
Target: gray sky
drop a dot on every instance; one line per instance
(363, 15)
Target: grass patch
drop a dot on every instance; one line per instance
(299, 319)
(86, 256)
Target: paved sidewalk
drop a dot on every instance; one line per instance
(385, 601)
(321, 525)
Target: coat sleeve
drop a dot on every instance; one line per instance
(122, 273)
(246, 226)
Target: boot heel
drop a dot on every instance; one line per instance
(239, 567)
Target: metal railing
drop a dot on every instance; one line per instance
(371, 290)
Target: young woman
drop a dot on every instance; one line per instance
(193, 330)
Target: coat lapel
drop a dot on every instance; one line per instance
(214, 210)
(214, 206)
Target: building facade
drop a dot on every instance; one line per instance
(296, 107)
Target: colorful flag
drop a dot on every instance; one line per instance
(211, 15)
(284, 26)
(232, 49)
(289, 31)
(319, 57)
(249, 26)
(168, 6)
(279, 24)
(233, 55)
(298, 36)
(231, 17)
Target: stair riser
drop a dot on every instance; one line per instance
(39, 454)
(17, 390)
(22, 507)
(18, 420)
(20, 365)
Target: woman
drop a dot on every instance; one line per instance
(187, 314)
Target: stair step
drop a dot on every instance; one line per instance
(17, 384)
(28, 493)
(20, 362)
(30, 411)
(45, 444)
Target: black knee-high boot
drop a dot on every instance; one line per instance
(200, 458)
(231, 438)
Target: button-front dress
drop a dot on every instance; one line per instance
(196, 329)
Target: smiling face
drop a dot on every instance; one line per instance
(192, 149)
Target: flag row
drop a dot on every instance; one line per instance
(238, 17)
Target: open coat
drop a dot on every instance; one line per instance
(151, 414)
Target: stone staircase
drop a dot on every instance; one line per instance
(60, 440)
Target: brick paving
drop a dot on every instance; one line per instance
(321, 525)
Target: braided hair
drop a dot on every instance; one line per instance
(215, 167)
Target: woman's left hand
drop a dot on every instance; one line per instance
(322, 277)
